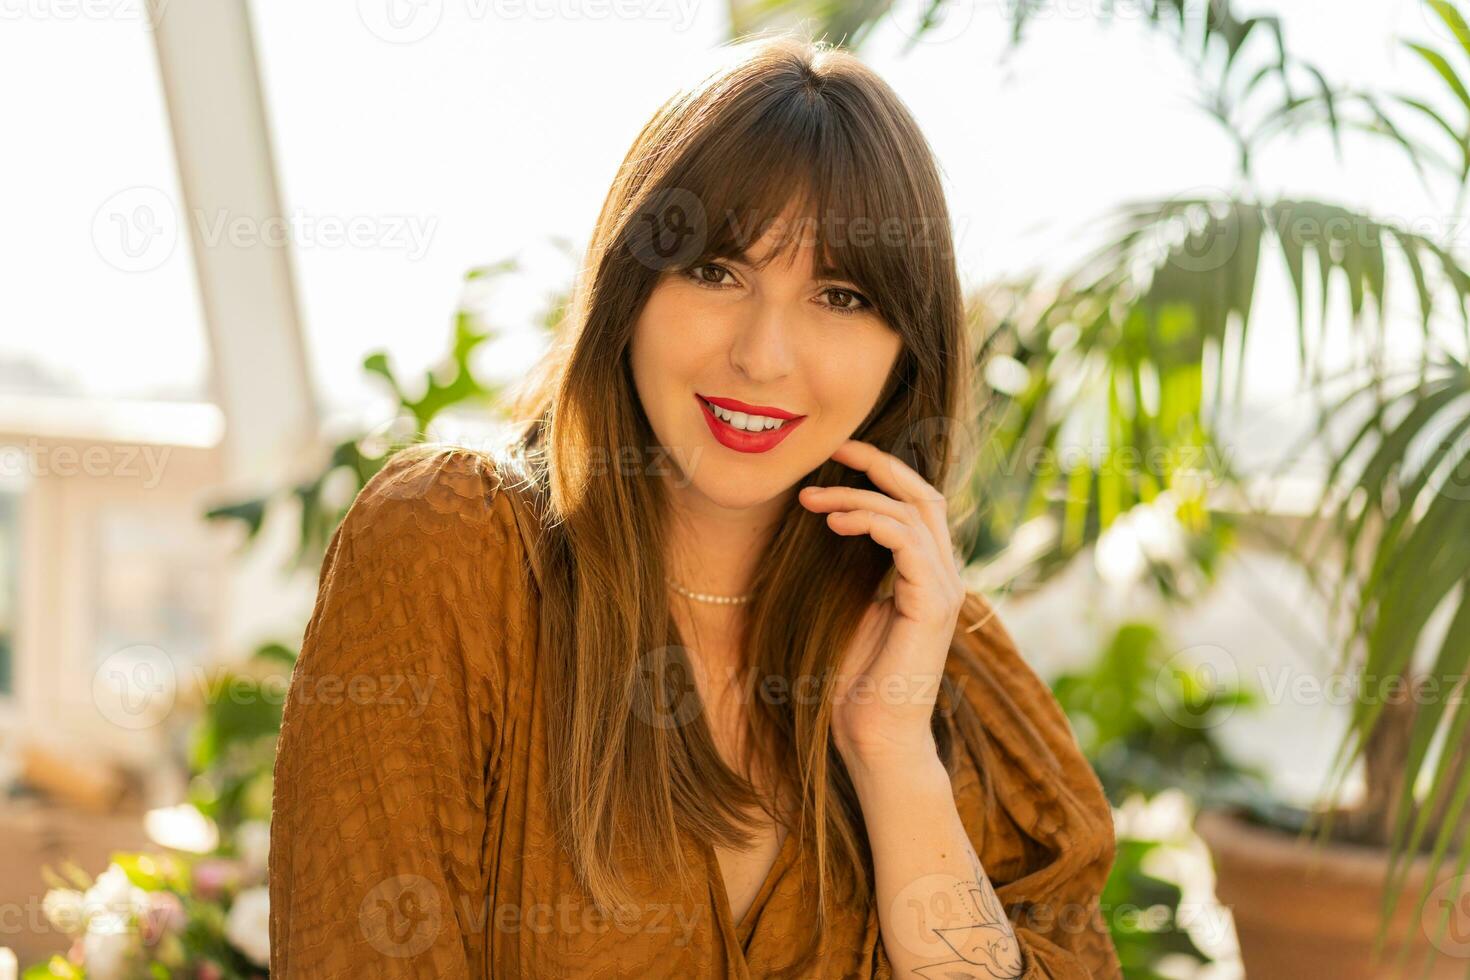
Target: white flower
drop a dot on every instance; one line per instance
(1118, 554)
(113, 903)
(108, 953)
(9, 966)
(65, 910)
(1144, 533)
(182, 828)
(248, 925)
(1160, 534)
(1167, 816)
(253, 841)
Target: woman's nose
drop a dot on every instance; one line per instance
(762, 349)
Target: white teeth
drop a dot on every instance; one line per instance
(740, 420)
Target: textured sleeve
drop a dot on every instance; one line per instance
(1046, 835)
(390, 733)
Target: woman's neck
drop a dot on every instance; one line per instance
(713, 549)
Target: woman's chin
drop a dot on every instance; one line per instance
(735, 490)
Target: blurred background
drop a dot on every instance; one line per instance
(1214, 253)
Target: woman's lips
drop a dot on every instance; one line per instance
(739, 439)
(736, 405)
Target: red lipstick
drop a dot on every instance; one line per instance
(735, 405)
(741, 440)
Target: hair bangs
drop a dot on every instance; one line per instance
(808, 172)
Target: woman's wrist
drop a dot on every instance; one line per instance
(888, 764)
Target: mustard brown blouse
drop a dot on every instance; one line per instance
(410, 835)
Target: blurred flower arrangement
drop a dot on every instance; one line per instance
(163, 917)
(199, 908)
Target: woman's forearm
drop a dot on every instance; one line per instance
(935, 903)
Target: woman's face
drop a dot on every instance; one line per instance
(776, 339)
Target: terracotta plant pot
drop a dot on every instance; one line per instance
(1304, 912)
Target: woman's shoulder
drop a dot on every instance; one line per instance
(426, 574)
(462, 498)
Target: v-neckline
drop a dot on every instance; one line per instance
(741, 930)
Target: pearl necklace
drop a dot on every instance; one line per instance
(719, 600)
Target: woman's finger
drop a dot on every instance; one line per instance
(902, 482)
(823, 499)
(913, 554)
(828, 499)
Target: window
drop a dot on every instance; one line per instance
(103, 301)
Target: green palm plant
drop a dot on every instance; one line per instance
(1136, 351)
(1398, 501)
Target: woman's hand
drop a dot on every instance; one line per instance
(889, 677)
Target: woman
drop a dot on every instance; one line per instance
(684, 681)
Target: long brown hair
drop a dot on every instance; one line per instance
(783, 122)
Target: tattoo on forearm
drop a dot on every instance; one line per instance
(984, 942)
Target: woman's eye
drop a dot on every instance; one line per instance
(699, 274)
(848, 301)
(840, 300)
